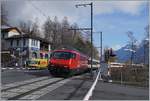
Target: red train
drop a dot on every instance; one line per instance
(67, 62)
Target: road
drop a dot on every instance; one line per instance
(40, 85)
(14, 75)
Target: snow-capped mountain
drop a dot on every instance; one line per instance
(123, 54)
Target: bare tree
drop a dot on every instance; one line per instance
(30, 27)
(25, 26)
(133, 44)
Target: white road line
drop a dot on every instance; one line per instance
(11, 68)
(27, 88)
(6, 86)
(89, 94)
(4, 68)
(37, 94)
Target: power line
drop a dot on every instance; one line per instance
(39, 10)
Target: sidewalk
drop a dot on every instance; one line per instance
(110, 91)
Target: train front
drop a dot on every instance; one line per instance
(62, 62)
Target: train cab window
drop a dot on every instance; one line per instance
(63, 55)
(73, 55)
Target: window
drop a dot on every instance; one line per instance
(3, 35)
(11, 42)
(24, 42)
(41, 55)
(46, 56)
(63, 55)
(32, 42)
(36, 43)
(34, 55)
(17, 42)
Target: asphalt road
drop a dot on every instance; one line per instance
(77, 88)
(14, 75)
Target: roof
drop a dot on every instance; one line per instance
(69, 50)
(65, 50)
(5, 28)
(29, 36)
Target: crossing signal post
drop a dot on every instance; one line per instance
(109, 55)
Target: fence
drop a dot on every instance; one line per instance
(137, 74)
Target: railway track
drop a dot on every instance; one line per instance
(31, 89)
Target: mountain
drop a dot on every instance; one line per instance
(124, 55)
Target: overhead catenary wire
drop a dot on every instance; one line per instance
(38, 9)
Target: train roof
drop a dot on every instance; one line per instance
(66, 50)
(69, 50)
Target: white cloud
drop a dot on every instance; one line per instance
(29, 10)
(131, 7)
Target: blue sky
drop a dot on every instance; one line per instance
(114, 26)
(113, 18)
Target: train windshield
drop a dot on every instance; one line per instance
(33, 62)
(62, 55)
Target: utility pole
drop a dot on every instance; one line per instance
(91, 38)
(101, 46)
(21, 49)
(91, 5)
(100, 60)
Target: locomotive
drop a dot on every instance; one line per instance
(67, 62)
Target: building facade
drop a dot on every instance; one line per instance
(21, 46)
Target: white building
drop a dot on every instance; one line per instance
(22, 46)
(27, 45)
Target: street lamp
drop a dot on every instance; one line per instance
(91, 5)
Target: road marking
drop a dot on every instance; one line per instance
(37, 94)
(15, 84)
(15, 92)
(11, 68)
(89, 94)
(4, 68)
